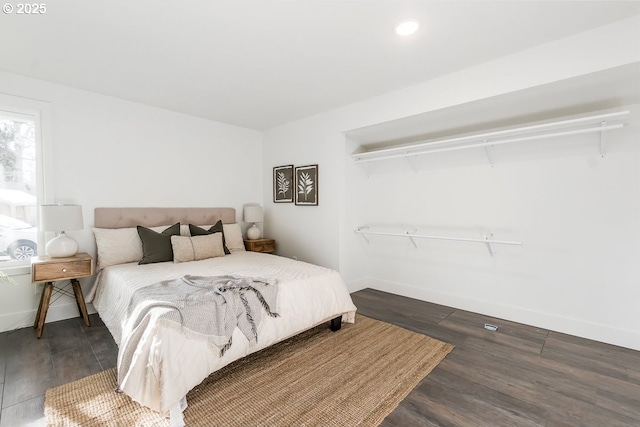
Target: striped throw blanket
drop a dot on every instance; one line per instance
(212, 306)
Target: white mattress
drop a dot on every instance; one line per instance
(170, 362)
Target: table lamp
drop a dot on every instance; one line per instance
(253, 214)
(61, 218)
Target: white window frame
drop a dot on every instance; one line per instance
(40, 111)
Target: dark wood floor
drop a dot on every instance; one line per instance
(67, 351)
(516, 376)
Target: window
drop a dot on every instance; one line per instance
(19, 136)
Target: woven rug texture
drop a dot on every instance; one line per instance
(353, 377)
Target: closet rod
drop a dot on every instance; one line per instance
(426, 147)
(424, 236)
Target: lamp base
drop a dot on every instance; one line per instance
(62, 246)
(253, 232)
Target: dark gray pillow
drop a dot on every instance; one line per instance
(215, 228)
(156, 247)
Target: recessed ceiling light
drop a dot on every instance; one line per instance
(406, 28)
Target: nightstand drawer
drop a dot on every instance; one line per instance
(261, 245)
(269, 246)
(65, 269)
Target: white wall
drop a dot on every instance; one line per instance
(110, 152)
(555, 203)
(308, 233)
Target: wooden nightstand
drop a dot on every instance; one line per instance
(49, 270)
(267, 246)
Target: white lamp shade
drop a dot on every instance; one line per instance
(253, 214)
(61, 217)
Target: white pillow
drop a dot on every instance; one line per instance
(123, 245)
(233, 237)
(184, 229)
(117, 246)
(197, 247)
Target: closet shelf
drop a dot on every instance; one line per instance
(486, 238)
(597, 123)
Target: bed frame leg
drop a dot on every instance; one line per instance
(336, 323)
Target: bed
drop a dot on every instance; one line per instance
(159, 360)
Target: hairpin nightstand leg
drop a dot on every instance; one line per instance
(42, 313)
(35, 322)
(82, 307)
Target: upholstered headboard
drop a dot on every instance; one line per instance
(153, 217)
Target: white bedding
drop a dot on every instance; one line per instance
(169, 362)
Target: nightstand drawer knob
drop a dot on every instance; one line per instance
(64, 270)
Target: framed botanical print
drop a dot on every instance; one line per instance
(283, 184)
(306, 185)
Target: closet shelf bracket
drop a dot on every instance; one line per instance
(487, 149)
(410, 235)
(603, 139)
(363, 233)
(487, 238)
(413, 162)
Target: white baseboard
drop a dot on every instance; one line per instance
(22, 319)
(358, 285)
(582, 328)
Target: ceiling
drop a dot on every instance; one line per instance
(263, 63)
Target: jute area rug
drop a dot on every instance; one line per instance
(353, 377)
